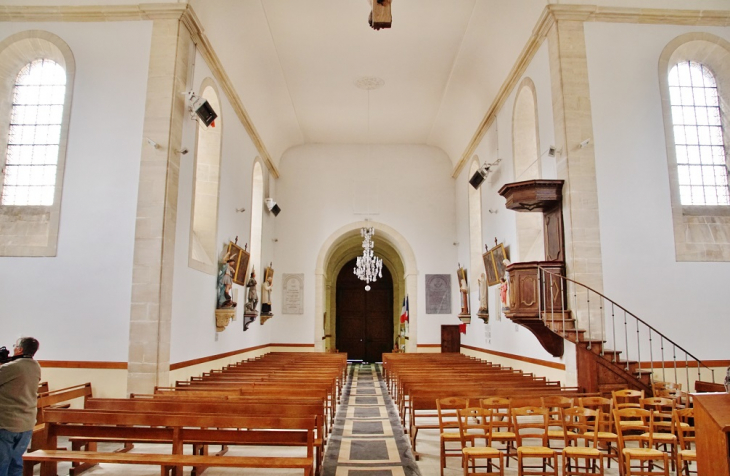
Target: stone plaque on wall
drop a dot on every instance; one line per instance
(293, 295)
(438, 294)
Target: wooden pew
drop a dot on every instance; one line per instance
(178, 429)
(272, 407)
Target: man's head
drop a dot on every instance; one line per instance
(26, 346)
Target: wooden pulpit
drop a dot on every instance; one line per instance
(712, 427)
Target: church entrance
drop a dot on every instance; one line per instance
(364, 324)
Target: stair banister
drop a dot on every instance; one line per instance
(614, 305)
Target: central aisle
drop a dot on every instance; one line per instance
(368, 439)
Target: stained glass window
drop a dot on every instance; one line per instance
(698, 135)
(34, 135)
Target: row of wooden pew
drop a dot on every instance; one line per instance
(416, 381)
(280, 399)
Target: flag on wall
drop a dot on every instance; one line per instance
(462, 328)
(404, 311)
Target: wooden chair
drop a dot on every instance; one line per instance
(555, 404)
(684, 426)
(578, 422)
(502, 430)
(607, 438)
(627, 398)
(476, 424)
(449, 427)
(650, 460)
(662, 411)
(535, 421)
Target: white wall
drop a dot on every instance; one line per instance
(83, 294)
(501, 334)
(316, 193)
(193, 332)
(686, 301)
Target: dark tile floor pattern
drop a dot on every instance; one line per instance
(368, 439)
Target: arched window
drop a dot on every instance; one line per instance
(257, 216)
(29, 176)
(37, 71)
(525, 146)
(694, 78)
(475, 227)
(204, 224)
(698, 141)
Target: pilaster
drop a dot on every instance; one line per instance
(154, 247)
(576, 164)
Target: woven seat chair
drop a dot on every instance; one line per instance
(607, 437)
(449, 427)
(581, 424)
(555, 404)
(636, 444)
(502, 431)
(686, 452)
(476, 424)
(535, 421)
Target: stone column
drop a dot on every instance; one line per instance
(154, 241)
(576, 165)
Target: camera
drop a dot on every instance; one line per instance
(4, 355)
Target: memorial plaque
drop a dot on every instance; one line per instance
(293, 294)
(438, 294)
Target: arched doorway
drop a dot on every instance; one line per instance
(364, 318)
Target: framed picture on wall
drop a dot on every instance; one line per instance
(241, 257)
(498, 256)
(490, 269)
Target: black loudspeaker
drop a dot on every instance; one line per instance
(477, 179)
(275, 210)
(206, 113)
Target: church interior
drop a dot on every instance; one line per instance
(537, 184)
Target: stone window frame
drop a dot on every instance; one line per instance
(527, 224)
(475, 226)
(32, 230)
(206, 137)
(701, 232)
(258, 191)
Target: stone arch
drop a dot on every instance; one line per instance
(343, 245)
(695, 226)
(475, 226)
(526, 157)
(206, 185)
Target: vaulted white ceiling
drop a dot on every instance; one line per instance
(294, 64)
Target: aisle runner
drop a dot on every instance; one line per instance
(368, 439)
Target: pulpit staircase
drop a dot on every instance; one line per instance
(615, 348)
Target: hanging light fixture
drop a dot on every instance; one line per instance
(369, 267)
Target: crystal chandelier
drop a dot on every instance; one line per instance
(369, 267)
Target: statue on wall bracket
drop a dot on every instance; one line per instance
(234, 258)
(266, 289)
(483, 312)
(252, 301)
(461, 276)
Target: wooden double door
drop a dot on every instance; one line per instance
(364, 323)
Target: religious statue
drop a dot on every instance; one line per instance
(253, 298)
(225, 283)
(483, 311)
(504, 285)
(464, 315)
(266, 289)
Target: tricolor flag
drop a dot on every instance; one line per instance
(404, 311)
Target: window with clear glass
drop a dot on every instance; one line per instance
(34, 134)
(698, 135)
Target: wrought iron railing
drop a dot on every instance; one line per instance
(617, 330)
